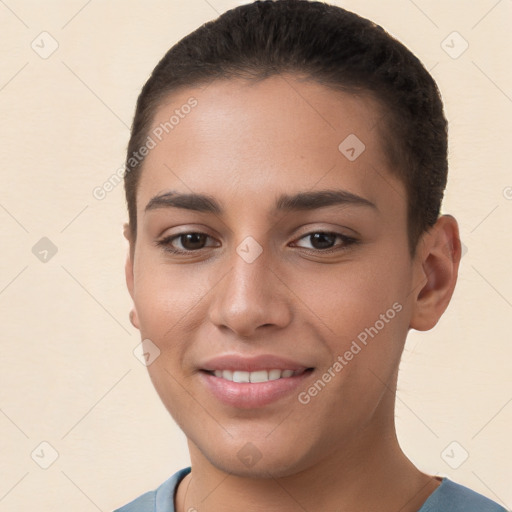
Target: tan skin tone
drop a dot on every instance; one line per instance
(245, 144)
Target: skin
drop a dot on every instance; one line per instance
(245, 144)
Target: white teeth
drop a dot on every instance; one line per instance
(241, 376)
(274, 374)
(257, 376)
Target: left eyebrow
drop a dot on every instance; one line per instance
(285, 203)
(320, 199)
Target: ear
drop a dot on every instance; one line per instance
(128, 270)
(437, 263)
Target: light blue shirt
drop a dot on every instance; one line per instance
(448, 497)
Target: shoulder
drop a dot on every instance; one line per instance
(158, 500)
(453, 497)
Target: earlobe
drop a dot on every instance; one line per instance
(439, 253)
(134, 319)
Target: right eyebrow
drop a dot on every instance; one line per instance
(173, 199)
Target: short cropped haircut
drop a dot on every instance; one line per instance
(330, 46)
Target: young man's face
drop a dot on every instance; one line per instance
(259, 290)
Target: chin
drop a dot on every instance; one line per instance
(260, 470)
(256, 458)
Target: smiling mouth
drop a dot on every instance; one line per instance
(257, 376)
(254, 387)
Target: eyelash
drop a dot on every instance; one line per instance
(165, 243)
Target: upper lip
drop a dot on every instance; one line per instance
(251, 364)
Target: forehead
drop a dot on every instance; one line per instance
(265, 137)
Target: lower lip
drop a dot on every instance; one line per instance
(247, 395)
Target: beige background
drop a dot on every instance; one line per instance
(68, 373)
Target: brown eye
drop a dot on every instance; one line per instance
(323, 241)
(192, 241)
(184, 243)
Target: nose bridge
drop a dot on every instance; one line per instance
(250, 295)
(249, 280)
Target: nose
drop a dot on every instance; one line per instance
(250, 297)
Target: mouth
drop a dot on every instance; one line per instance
(254, 388)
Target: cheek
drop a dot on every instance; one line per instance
(168, 303)
(361, 311)
(167, 296)
(349, 298)
(363, 321)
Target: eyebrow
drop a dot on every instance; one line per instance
(302, 201)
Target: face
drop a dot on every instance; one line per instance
(272, 248)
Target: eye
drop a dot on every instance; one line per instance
(323, 241)
(189, 242)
